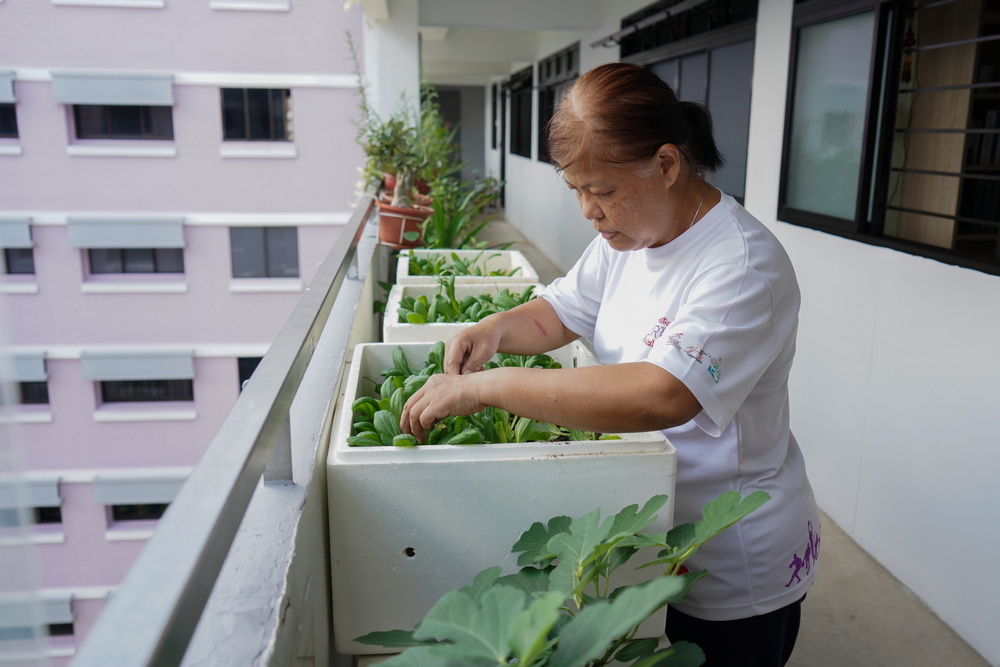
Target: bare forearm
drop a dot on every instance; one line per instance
(531, 328)
(615, 398)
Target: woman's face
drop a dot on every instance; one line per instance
(629, 210)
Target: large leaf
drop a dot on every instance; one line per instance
(531, 580)
(630, 521)
(391, 639)
(726, 510)
(430, 656)
(533, 542)
(575, 549)
(681, 654)
(478, 631)
(481, 583)
(529, 632)
(590, 633)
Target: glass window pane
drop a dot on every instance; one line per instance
(126, 122)
(282, 252)
(258, 106)
(233, 118)
(694, 78)
(8, 121)
(34, 393)
(139, 260)
(169, 260)
(729, 82)
(158, 122)
(19, 260)
(91, 121)
(106, 260)
(831, 91)
(247, 247)
(278, 108)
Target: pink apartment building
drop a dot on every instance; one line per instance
(171, 175)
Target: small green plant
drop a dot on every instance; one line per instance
(559, 609)
(376, 419)
(459, 213)
(453, 265)
(445, 307)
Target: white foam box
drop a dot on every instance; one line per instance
(489, 260)
(409, 525)
(394, 331)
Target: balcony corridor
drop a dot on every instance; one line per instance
(857, 614)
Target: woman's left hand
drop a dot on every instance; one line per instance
(441, 396)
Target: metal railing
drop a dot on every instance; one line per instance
(152, 616)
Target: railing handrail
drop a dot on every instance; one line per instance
(152, 616)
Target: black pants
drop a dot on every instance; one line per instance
(758, 641)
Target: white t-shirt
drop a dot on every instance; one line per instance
(717, 307)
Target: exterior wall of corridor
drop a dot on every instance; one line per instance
(897, 376)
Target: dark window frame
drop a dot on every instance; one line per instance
(16, 261)
(238, 124)
(868, 224)
(8, 121)
(159, 262)
(520, 94)
(265, 270)
(555, 74)
(146, 391)
(160, 128)
(137, 512)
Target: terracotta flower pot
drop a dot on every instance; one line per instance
(395, 222)
(390, 182)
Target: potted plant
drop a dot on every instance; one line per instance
(392, 146)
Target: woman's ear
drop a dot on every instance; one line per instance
(668, 159)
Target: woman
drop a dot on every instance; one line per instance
(692, 308)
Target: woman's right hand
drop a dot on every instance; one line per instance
(470, 348)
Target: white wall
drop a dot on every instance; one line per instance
(895, 388)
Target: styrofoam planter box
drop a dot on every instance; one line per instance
(491, 260)
(409, 525)
(394, 331)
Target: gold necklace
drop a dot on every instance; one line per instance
(703, 195)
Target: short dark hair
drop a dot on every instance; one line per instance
(621, 114)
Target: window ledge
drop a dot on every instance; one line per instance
(266, 285)
(10, 149)
(20, 415)
(133, 288)
(128, 534)
(77, 150)
(18, 288)
(251, 6)
(281, 149)
(138, 4)
(109, 414)
(28, 538)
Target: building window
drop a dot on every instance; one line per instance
(131, 391)
(494, 116)
(256, 114)
(520, 113)
(828, 123)
(94, 121)
(136, 260)
(892, 125)
(11, 518)
(19, 261)
(555, 75)
(8, 121)
(149, 512)
(34, 393)
(264, 252)
(705, 54)
(246, 366)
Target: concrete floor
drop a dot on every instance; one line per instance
(856, 614)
